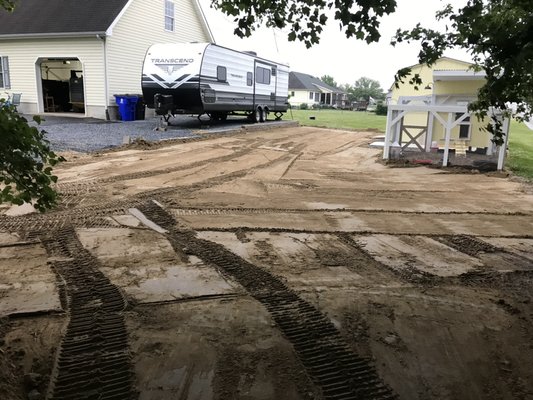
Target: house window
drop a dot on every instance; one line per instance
(311, 95)
(221, 74)
(292, 93)
(464, 126)
(249, 79)
(169, 16)
(4, 73)
(317, 97)
(262, 75)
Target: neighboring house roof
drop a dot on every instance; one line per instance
(59, 17)
(300, 81)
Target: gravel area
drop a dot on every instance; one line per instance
(90, 134)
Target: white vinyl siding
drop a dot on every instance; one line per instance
(169, 16)
(137, 30)
(4, 73)
(24, 54)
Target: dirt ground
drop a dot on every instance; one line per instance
(271, 264)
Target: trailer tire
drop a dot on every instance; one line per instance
(257, 115)
(264, 115)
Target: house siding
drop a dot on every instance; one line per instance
(457, 90)
(24, 54)
(142, 25)
(426, 74)
(301, 96)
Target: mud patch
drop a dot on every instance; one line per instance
(418, 253)
(218, 349)
(27, 282)
(143, 264)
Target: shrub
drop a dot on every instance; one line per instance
(304, 106)
(381, 109)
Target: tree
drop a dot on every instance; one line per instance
(26, 160)
(497, 33)
(358, 18)
(328, 80)
(364, 88)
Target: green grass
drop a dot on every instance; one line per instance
(520, 159)
(339, 119)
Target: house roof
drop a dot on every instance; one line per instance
(59, 17)
(299, 81)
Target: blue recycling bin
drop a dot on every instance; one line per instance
(126, 106)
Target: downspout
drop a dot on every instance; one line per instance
(106, 86)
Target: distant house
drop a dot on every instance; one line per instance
(304, 88)
(436, 115)
(73, 56)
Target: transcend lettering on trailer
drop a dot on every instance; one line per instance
(172, 60)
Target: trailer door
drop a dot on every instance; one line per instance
(264, 84)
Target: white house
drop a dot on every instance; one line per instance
(306, 89)
(73, 56)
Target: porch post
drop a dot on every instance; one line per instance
(447, 142)
(503, 148)
(429, 132)
(388, 129)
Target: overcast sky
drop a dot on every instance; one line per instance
(344, 59)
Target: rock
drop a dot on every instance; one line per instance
(391, 339)
(35, 395)
(33, 379)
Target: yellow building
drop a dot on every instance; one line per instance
(435, 115)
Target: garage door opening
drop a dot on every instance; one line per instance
(62, 85)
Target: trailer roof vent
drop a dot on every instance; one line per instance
(253, 53)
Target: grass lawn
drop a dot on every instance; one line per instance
(520, 159)
(339, 119)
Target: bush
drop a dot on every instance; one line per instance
(304, 106)
(26, 162)
(381, 109)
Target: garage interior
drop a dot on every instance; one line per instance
(62, 85)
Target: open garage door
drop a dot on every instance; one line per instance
(62, 85)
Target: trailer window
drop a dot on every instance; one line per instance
(262, 75)
(169, 16)
(249, 79)
(221, 74)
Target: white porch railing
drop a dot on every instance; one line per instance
(397, 112)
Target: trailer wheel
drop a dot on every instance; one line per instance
(264, 115)
(257, 115)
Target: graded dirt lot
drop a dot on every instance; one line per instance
(272, 264)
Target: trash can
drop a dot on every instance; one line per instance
(140, 108)
(126, 106)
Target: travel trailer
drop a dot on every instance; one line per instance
(204, 78)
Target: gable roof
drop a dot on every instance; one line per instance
(59, 17)
(298, 80)
(443, 58)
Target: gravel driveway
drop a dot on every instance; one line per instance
(90, 134)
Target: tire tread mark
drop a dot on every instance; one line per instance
(333, 367)
(93, 359)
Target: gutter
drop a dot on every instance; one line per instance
(51, 35)
(106, 85)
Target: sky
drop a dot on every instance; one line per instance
(346, 60)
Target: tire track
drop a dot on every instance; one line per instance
(93, 360)
(332, 366)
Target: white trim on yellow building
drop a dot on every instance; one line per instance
(437, 116)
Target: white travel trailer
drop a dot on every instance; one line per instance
(204, 78)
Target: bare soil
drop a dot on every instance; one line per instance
(287, 263)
